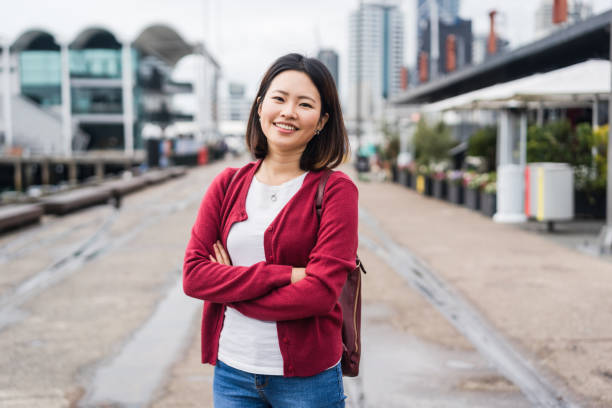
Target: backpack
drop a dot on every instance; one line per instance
(350, 302)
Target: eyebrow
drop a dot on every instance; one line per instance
(299, 97)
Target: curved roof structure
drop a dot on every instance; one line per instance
(35, 38)
(159, 40)
(95, 37)
(163, 42)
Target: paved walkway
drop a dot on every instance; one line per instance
(551, 303)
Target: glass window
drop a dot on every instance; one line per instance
(40, 68)
(97, 100)
(95, 63)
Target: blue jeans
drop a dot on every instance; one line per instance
(233, 388)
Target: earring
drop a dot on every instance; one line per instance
(317, 132)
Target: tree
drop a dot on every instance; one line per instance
(431, 144)
(483, 143)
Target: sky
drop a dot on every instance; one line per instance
(246, 36)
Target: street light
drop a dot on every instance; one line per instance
(605, 236)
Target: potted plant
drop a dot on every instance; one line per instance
(423, 180)
(473, 183)
(455, 186)
(438, 181)
(488, 198)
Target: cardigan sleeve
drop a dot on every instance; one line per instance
(218, 283)
(332, 257)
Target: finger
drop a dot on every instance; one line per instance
(212, 258)
(217, 253)
(224, 254)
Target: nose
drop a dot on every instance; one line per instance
(288, 110)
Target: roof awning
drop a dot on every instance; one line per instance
(576, 85)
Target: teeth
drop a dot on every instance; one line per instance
(283, 126)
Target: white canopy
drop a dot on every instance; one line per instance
(576, 85)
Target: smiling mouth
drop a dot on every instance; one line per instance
(285, 126)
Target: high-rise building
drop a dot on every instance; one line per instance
(452, 39)
(454, 47)
(330, 59)
(576, 11)
(448, 10)
(235, 106)
(376, 54)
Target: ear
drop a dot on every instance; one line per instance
(258, 101)
(323, 120)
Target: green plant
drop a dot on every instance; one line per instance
(559, 142)
(490, 187)
(483, 143)
(389, 149)
(431, 144)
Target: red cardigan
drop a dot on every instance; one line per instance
(308, 316)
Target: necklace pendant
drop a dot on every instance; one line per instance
(273, 197)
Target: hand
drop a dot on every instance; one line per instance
(297, 274)
(221, 256)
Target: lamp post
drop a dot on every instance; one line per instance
(6, 94)
(605, 236)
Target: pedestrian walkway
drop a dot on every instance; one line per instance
(551, 303)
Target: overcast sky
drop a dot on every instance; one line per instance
(247, 35)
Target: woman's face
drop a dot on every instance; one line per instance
(290, 112)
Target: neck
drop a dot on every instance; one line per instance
(278, 167)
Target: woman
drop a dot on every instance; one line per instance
(269, 270)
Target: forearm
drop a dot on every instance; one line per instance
(312, 296)
(219, 283)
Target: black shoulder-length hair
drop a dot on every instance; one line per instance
(325, 150)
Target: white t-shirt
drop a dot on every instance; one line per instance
(249, 344)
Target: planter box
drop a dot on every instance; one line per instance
(590, 204)
(413, 180)
(488, 203)
(472, 198)
(394, 173)
(439, 189)
(455, 193)
(428, 186)
(404, 177)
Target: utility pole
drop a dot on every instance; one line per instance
(6, 95)
(358, 76)
(434, 38)
(605, 237)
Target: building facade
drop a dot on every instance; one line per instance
(235, 106)
(330, 59)
(376, 55)
(452, 39)
(577, 10)
(101, 92)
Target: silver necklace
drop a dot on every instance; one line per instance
(273, 197)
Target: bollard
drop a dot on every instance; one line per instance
(72, 172)
(99, 170)
(17, 176)
(44, 173)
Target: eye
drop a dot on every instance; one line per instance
(277, 98)
(306, 105)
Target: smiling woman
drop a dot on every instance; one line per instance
(270, 271)
(290, 113)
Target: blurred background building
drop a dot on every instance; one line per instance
(376, 57)
(577, 10)
(99, 93)
(329, 57)
(449, 46)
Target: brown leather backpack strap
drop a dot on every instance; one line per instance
(321, 190)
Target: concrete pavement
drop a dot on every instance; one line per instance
(551, 303)
(86, 285)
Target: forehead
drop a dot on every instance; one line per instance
(295, 83)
